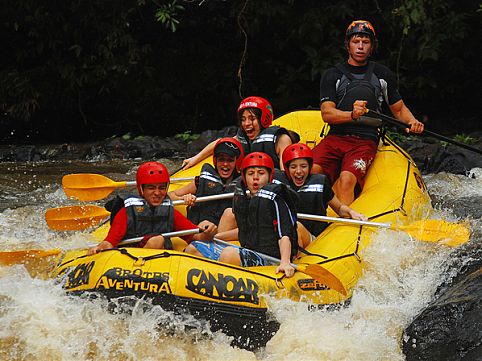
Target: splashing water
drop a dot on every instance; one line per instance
(39, 321)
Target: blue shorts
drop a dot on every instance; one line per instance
(212, 250)
(209, 250)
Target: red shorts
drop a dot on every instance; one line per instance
(337, 153)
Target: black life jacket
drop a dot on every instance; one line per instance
(353, 87)
(265, 142)
(312, 202)
(279, 176)
(210, 183)
(256, 229)
(143, 219)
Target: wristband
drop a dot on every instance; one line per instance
(354, 119)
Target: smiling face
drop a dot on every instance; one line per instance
(225, 166)
(250, 124)
(256, 178)
(154, 193)
(299, 170)
(359, 49)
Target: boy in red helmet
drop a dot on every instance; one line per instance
(255, 133)
(264, 220)
(346, 92)
(149, 215)
(227, 158)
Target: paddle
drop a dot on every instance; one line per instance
(315, 271)
(430, 230)
(76, 218)
(403, 125)
(20, 256)
(93, 187)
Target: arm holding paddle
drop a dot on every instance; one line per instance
(102, 246)
(118, 230)
(344, 211)
(398, 109)
(403, 125)
(401, 112)
(186, 193)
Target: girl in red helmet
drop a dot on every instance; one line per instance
(264, 219)
(314, 192)
(148, 215)
(256, 134)
(227, 158)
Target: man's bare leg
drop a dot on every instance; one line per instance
(344, 187)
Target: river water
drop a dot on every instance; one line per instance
(38, 321)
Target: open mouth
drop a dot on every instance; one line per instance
(155, 202)
(250, 132)
(299, 180)
(224, 171)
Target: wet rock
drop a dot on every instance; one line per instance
(451, 327)
(116, 148)
(432, 156)
(126, 147)
(23, 153)
(207, 137)
(145, 147)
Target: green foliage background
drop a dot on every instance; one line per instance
(82, 70)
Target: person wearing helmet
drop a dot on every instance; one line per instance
(264, 219)
(347, 91)
(314, 192)
(227, 158)
(149, 215)
(255, 133)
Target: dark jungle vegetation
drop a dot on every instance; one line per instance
(78, 70)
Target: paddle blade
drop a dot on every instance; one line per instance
(323, 276)
(435, 230)
(89, 187)
(9, 258)
(75, 218)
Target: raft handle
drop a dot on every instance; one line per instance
(139, 262)
(279, 281)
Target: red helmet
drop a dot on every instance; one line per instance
(257, 159)
(296, 151)
(261, 104)
(231, 147)
(360, 27)
(151, 172)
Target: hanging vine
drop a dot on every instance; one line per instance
(241, 19)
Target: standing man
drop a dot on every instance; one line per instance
(346, 92)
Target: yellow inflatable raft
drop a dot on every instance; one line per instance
(233, 298)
